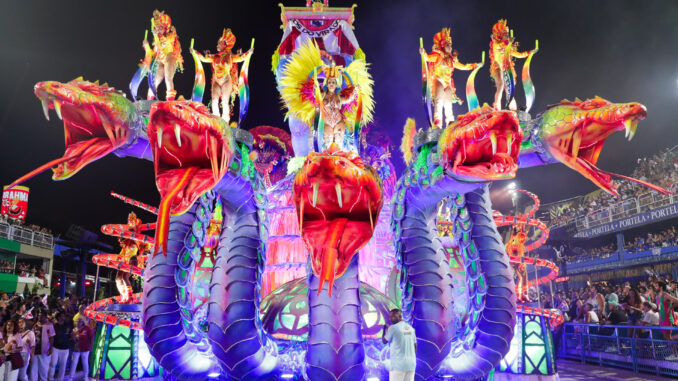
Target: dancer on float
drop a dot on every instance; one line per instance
(441, 63)
(132, 252)
(224, 72)
(344, 97)
(166, 55)
(503, 49)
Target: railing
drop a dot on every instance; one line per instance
(27, 236)
(618, 260)
(624, 208)
(639, 348)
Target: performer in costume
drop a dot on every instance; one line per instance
(166, 53)
(333, 101)
(343, 100)
(133, 253)
(224, 72)
(515, 246)
(503, 49)
(441, 62)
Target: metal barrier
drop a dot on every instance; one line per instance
(27, 236)
(638, 348)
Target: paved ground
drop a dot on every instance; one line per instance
(576, 371)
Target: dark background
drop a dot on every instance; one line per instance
(621, 50)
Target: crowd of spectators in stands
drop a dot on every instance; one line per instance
(660, 169)
(648, 303)
(18, 222)
(39, 336)
(6, 267)
(664, 238)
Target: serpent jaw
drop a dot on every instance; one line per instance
(338, 200)
(481, 145)
(192, 150)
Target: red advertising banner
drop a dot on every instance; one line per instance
(15, 202)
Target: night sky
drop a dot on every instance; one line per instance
(621, 50)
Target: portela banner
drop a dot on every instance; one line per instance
(15, 202)
(665, 212)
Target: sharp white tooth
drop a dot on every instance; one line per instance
(177, 134)
(576, 142)
(159, 138)
(315, 194)
(493, 139)
(108, 128)
(627, 127)
(45, 108)
(337, 187)
(57, 108)
(632, 127)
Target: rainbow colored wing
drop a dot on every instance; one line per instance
(471, 96)
(244, 87)
(152, 72)
(199, 81)
(528, 86)
(142, 71)
(425, 86)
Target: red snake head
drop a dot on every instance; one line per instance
(338, 200)
(192, 150)
(574, 133)
(481, 145)
(97, 120)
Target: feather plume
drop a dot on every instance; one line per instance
(407, 145)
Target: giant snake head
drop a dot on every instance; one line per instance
(574, 134)
(338, 199)
(97, 120)
(481, 145)
(192, 151)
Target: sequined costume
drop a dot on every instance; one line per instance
(166, 54)
(503, 49)
(224, 73)
(441, 64)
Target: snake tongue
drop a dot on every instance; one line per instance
(329, 261)
(175, 185)
(331, 254)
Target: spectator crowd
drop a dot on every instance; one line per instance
(44, 337)
(18, 222)
(652, 303)
(660, 169)
(644, 242)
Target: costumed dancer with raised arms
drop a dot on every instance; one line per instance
(166, 55)
(224, 72)
(441, 64)
(503, 50)
(338, 107)
(131, 252)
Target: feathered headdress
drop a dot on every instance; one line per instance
(297, 87)
(441, 38)
(161, 20)
(500, 28)
(227, 39)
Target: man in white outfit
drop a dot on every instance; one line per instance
(403, 343)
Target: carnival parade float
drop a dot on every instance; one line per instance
(278, 255)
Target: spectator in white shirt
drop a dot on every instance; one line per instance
(650, 317)
(403, 345)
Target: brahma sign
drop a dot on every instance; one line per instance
(15, 202)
